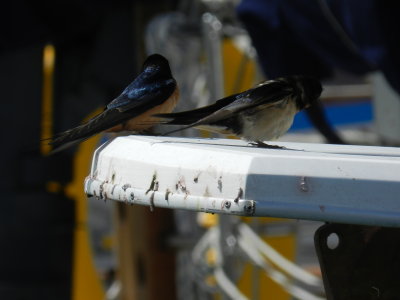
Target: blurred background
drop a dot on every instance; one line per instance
(62, 61)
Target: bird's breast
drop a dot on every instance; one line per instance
(270, 122)
(146, 120)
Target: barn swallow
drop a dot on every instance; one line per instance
(262, 113)
(153, 91)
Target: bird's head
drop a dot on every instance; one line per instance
(308, 91)
(157, 63)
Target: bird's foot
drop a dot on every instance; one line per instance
(264, 145)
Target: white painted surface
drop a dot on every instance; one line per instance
(349, 184)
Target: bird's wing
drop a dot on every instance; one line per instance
(143, 93)
(131, 103)
(268, 93)
(194, 115)
(103, 121)
(245, 103)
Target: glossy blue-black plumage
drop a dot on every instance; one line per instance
(155, 80)
(144, 86)
(153, 86)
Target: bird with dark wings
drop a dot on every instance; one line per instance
(153, 91)
(262, 113)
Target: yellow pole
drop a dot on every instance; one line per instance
(49, 56)
(86, 283)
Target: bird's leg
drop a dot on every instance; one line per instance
(261, 144)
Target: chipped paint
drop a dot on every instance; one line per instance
(239, 196)
(113, 178)
(220, 184)
(180, 186)
(101, 190)
(125, 186)
(167, 192)
(156, 186)
(207, 192)
(154, 199)
(215, 205)
(152, 183)
(196, 178)
(151, 202)
(157, 199)
(112, 191)
(336, 179)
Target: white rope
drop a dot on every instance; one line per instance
(204, 243)
(277, 259)
(227, 286)
(275, 275)
(255, 248)
(210, 240)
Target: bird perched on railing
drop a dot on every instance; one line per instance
(153, 91)
(262, 113)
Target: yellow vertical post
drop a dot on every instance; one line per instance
(49, 56)
(85, 282)
(239, 69)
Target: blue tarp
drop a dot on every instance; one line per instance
(315, 36)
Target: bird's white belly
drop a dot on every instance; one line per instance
(269, 123)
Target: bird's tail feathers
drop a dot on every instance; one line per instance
(63, 140)
(168, 120)
(181, 118)
(63, 145)
(82, 132)
(188, 119)
(179, 129)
